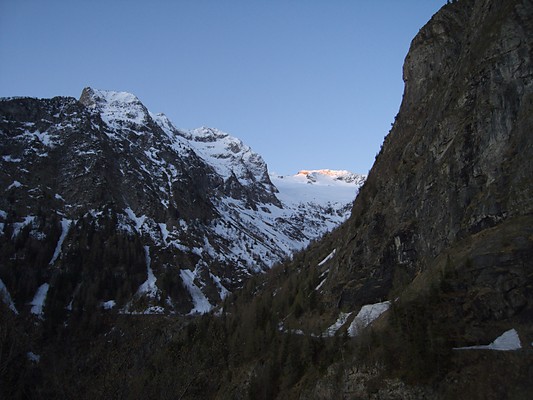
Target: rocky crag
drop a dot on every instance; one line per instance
(454, 174)
(443, 227)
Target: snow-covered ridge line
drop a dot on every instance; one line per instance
(228, 155)
(328, 172)
(17, 98)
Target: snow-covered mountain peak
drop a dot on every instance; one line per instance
(319, 186)
(328, 177)
(164, 123)
(207, 134)
(173, 133)
(116, 108)
(229, 155)
(96, 98)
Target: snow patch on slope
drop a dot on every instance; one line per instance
(15, 184)
(508, 341)
(149, 287)
(200, 301)
(6, 297)
(65, 225)
(18, 226)
(139, 221)
(368, 314)
(328, 257)
(38, 300)
(341, 320)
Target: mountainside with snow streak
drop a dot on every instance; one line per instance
(107, 205)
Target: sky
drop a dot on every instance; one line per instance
(307, 84)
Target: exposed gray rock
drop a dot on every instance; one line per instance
(457, 162)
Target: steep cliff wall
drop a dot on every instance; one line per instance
(457, 164)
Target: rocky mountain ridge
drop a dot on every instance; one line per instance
(159, 219)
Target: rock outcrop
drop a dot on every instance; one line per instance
(454, 173)
(443, 226)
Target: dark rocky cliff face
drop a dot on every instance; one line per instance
(456, 165)
(443, 227)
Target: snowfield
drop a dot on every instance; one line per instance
(322, 187)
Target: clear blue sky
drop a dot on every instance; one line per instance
(305, 83)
